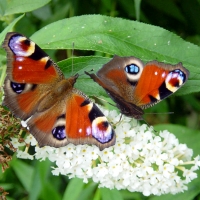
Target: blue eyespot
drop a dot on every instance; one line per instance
(59, 132)
(17, 87)
(132, 69)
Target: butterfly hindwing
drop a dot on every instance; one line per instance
(74, 119)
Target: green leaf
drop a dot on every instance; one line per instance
(2, 7)
(73, 189)
(108, 194)
(87, 192)
(7, 186)
(124, 38)
(194, 102)
(24, 172)
(168, 7)
(97, 195)
(22, 6)
(131, 195)
(39, 179)
(50, 192)
(137, 9)
(9, 28)
(36, 185)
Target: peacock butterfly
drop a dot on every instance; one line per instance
(135, 86)
(36, 88)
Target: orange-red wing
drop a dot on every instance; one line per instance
(27, 70)
(148, 85)
(27, 63)
(78, 124)
(86, 123)
(158, 82)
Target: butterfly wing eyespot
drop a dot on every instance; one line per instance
(35, 88)
(175, 79)
(135, 86)
(133, 69)
(18, 88)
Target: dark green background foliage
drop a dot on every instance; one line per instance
(165, 30)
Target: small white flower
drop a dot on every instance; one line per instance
(189, 175)
(113, 116)
(196, 162)
(106, 155)
(114, 168)
(140, 160)
(24, 155)
(100, 172)
(166, 169)
(122, 130)
(44, 152)
(16, 144)
(30, 139)
(55, 171)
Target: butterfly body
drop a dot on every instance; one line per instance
(135, 86)
(59, 114)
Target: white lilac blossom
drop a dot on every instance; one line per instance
(140, 160)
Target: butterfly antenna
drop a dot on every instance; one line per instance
(72, 57)
(86, 73)
(165, 113)
(146, 122)
(155, 113)
(105, 101)
(120, 119)
(149, 125)
(91, 70)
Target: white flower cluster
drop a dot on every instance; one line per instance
(139, 161)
